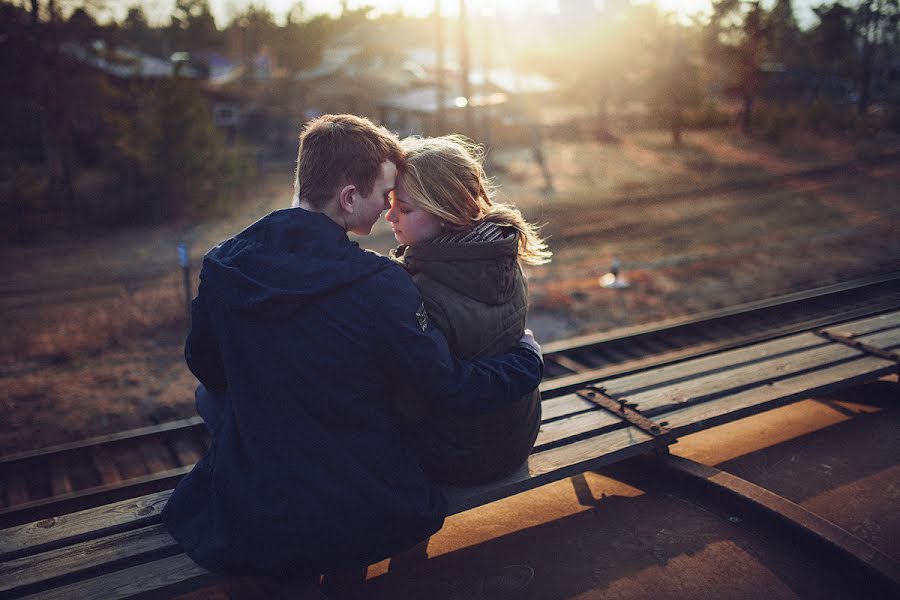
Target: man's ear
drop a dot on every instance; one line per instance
(346, 198)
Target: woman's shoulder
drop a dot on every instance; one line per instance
(482, 232)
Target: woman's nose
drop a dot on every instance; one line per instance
(389, 215)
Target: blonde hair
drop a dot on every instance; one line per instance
(445, 176)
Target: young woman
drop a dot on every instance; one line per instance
(463, 251)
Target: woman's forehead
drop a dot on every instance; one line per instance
(400, 192)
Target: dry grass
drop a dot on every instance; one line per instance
(57, 331)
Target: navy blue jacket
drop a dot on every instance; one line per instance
(301, 335)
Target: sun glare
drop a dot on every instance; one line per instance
(159, 11)
(450, 8)
(415, 8)
(685, 8)
(422, 8)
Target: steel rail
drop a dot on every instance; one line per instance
(712, 483)
(768, 514)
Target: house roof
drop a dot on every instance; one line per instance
(425, 100)
(125, 63)
(512, 81)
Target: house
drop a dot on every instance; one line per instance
(398, 86)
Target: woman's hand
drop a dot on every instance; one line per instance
(528, 341)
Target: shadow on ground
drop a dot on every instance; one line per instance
(668, 543)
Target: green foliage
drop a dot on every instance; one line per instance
(296, 45)
(173, 150)
(784, 34)
(23, 190)
(833, 39)
(674, 81)
(192, 27)
(707, 115)
(140, 150)
(825, 115)
(892, 117)
(775, 121)
(877, 120)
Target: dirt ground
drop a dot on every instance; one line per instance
(93, 326)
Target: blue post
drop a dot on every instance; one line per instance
(184, 261)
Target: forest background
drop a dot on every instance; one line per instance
(87, 147)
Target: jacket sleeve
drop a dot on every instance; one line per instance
(201, 351)
(417, 352)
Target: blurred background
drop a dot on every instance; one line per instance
(717, 152)
(120, 113)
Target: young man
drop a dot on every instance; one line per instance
(300, 335)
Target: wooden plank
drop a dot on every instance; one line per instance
(754, 375)
(46, 508)
(587, 423)
(102, 554)
(568, 383)
(156, 456)
(714, 363)
(864, 326)
(592, 357)
(187, 452)
(614, 355)
(821, 529)
(129, 461)
(16, 489)
(562, 406)
(708, 414)
(555, 464)
(560, 385)
(652, 345)
(569, 363)
(166, 577)
(81, 471)
(88, 524)
(106, 467)
(59, 477)
(886, 340)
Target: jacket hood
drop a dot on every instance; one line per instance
(283, 261)
(484, 271)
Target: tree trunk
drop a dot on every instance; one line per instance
(56, 131)
(865, 78)
(440, 92)
(464, 66)
(676, 122)
(747, 115)
(57, 144)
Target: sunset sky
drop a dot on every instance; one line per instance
(159, 10)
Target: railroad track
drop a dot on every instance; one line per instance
(61, 479)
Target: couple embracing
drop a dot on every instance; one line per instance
(341, 386)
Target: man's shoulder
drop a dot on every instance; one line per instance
(391, 276)
(390, 290)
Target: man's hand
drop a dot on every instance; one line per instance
(529, 342)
